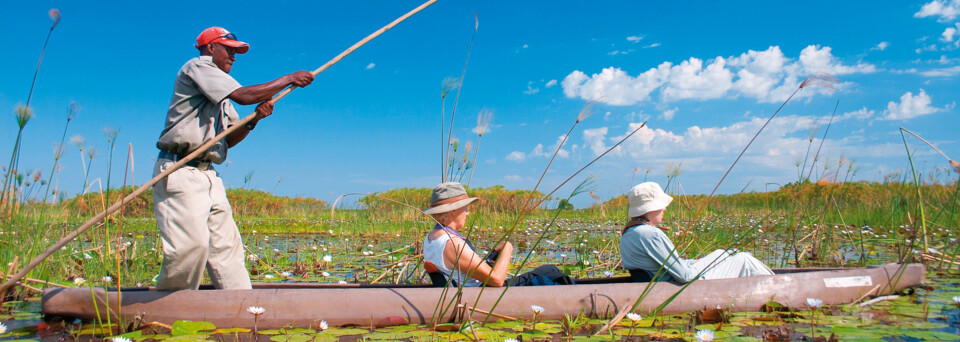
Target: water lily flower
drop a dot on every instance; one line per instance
(324, 325)
(634, 316)
(327, 258)
(256, 310)
(536, 309)
(704, 335)
(252, 257)
(267, 276)
(3, 328)
(286, 274)
(79, 281)
(956, 299)
(511, 340)
(121, 339)
(608, 273)
(107, 279)
(325, 273)
(814, 303)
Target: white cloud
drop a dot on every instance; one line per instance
(767, 75)
(860, 114)
(530, 89)
(513, 178)
(881, 46)
(551, 83)
(370, 66)
(690, 80)
(941, 8)
(948, 33)
(594, 138)
(651, 45)
(516, 156)
(525, 46)
(942, 72)
(634, 39)
(910, 106)
(669, 114)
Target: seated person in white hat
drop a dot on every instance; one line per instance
(648, 253)
(447, 253)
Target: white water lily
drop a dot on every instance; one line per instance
(634, 316)
(3, 328)
(121, 339)
(956, 299)
(267, 276)
(608, 273)
(107, 279)
(286, 274)
(79, 281)
(327, 258)
(814, 303)
(704, 335)
(325, 273)
(536, 309)
(256, 310)
(511, 340)
(324, 325)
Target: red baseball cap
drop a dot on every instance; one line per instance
(221, 36)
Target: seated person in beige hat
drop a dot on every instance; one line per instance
(447, 253)
(648, 253)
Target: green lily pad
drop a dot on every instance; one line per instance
(181, 328)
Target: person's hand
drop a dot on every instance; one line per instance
(264, 109)
(664, 228)
(502, 244)
(301, 78)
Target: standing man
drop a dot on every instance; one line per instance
(193, 214)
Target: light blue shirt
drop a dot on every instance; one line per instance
(647, 248)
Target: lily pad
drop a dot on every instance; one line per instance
(181, 328)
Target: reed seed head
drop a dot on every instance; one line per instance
(820, 79)
(449, 83)
(483, 121)
(24, 114)
(72, 110)
(111, 133)
(955, 165)
(77, 140)
(55, 16)
(586, 112)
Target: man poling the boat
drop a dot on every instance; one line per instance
(449, 254)
(193, 215)
(648, 253)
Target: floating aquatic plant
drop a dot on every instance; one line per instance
(704, 335)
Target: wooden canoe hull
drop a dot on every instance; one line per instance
(303, 305)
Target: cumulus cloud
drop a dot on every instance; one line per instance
(910, 106)
(551, 83)
(516, 156)
(594, 139)
(941, 72)
(860, 114)
(634, 39)
(946, 10)
(948, 33)
(370, 66)
(768, 76)
(881, 46)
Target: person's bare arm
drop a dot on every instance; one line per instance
(468, 261)
(261, 92)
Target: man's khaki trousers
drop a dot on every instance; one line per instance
(197, 228)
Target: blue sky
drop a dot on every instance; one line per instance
(703, 75)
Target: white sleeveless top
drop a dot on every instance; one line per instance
(433, 252)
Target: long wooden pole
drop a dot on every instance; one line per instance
(73, 235)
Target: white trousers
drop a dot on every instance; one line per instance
(721, 265)
(197, 228)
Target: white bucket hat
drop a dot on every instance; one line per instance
(446, 197)
(647, 197)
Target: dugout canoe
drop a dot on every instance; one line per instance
(303, 305)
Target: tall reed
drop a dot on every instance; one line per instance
(483, 124)
(448, 84)
(456, 100)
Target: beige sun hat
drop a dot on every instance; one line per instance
(647, 197)
(446, 197)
